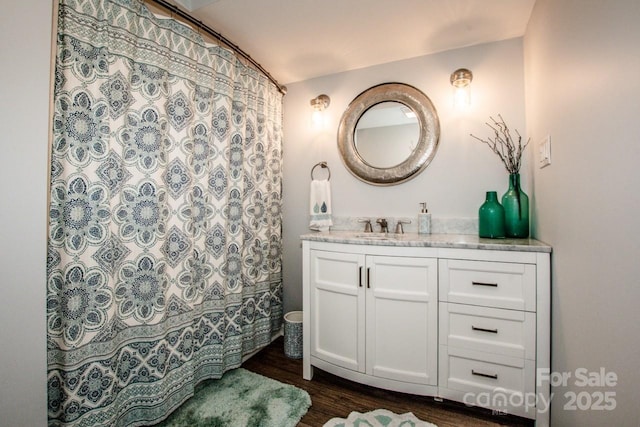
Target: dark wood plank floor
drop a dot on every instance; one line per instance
(332, 396)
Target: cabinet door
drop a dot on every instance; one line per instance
(337, 308)
(402, 318)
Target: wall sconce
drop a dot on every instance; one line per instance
(319, 104)
(461, 82)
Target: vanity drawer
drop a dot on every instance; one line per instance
(492, 377)
(491, 330)
(491, 284)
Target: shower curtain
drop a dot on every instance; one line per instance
(164, 245)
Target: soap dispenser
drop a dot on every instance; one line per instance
(424, 220)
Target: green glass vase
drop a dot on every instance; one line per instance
(491, 217)
(516, 209)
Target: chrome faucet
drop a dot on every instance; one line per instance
(384, 226)
(367, 225)
(399, 228)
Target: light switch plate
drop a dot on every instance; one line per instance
(545, 152)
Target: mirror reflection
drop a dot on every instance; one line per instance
(386, 134)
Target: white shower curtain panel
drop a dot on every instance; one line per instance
(164, 246)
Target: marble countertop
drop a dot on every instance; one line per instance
(460, 241)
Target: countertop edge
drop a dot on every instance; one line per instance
(456, 241)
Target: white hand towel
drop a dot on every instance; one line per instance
(320, 205)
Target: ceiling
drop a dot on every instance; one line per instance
(297, 40)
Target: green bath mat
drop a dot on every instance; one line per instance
(241, 399)
(378, 418)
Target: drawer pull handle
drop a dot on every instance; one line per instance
(494, 285)
(360, 277)
(475, 328)
(480, 374)
(368, 278)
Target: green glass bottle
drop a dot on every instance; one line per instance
(516, 209)
(491, 217)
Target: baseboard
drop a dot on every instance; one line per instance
(277, 334)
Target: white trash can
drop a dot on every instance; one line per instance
(293, 334)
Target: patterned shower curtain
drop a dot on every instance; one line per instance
(164, 246)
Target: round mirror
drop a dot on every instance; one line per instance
(388, 134)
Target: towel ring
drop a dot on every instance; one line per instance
(323, 165)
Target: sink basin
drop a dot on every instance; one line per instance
(373, 236)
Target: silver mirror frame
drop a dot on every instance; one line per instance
(426, 146)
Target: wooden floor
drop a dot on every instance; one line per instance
(332, 396)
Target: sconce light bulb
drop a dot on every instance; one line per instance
(317, 118)
(461, 97)
(319, 104)
(461, 82)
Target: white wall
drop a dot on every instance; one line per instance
(582, 88)
(453, 185)
(25, 43)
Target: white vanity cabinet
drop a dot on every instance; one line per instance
(372, 315)
(449, 316)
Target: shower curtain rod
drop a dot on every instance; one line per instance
(174, 9)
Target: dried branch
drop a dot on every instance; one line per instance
(504, 145)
